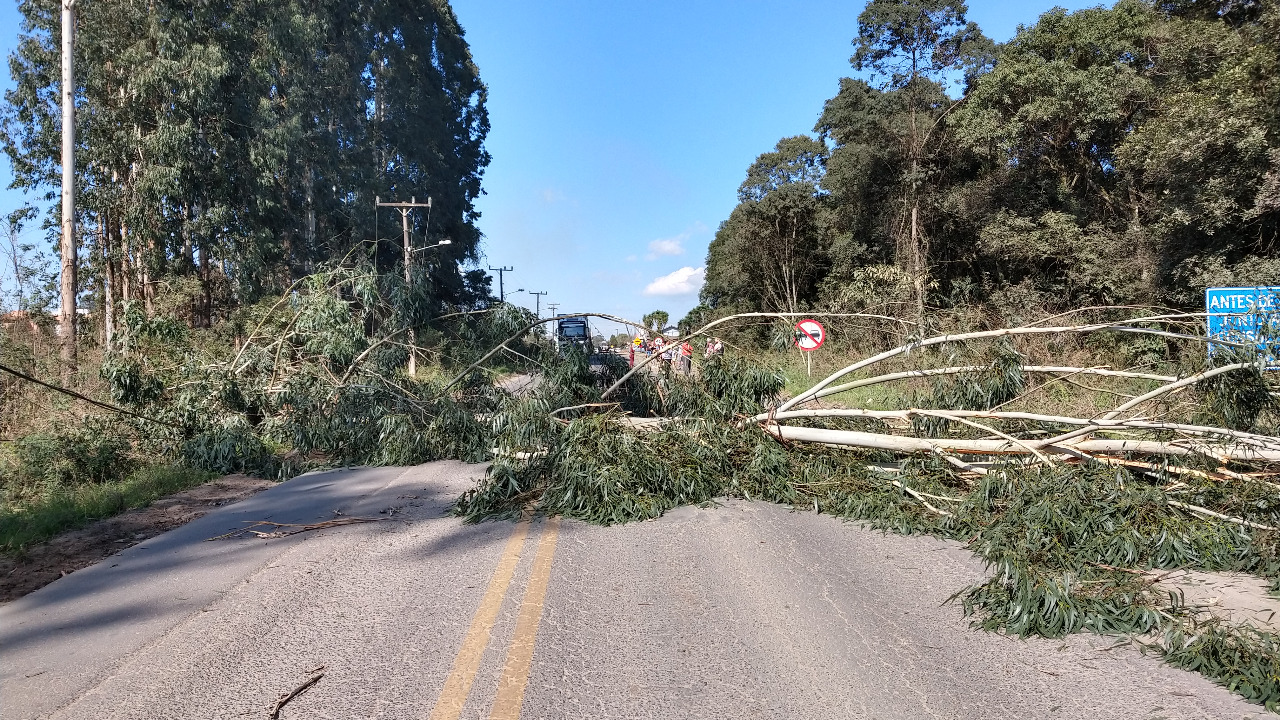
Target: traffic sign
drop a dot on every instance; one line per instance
(1245, 315)
(810, 335)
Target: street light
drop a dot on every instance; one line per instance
(442, 242)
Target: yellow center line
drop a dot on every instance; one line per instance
(458, 686)
(515, 672)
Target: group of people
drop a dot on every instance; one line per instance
(673, 353)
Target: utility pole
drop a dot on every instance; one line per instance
(67, 318)
(502, 296)
(405, 209)
(537, 303)
(553, 307)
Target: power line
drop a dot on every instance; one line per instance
(91, 401)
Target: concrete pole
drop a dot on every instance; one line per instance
(67, 317)
(502, 293)
(405, 208)
(408, 261)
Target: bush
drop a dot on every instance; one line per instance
(44, 463)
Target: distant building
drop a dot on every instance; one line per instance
(19, 318)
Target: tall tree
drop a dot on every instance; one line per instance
(770, 253)
(227, 148)
(911, 46)
(1051, 209)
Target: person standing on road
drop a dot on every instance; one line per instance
(686, 358)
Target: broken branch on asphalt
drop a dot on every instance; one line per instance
(316, 674)
(251, 529)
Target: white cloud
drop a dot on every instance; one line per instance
(667, 246)
(685, 281)
(674, 245)
(632, 258)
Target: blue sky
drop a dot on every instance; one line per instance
(621, 131)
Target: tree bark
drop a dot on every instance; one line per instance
(70, 261)
(917, 263)
(205, 285)
(108, 284)
(126, 265)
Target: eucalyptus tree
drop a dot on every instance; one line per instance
(912, 46)
(228, 148)
(770, 252)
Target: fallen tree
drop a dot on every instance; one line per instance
(1073, 474)
(1171, 467)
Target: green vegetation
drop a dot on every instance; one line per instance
(1067, 542)
(247, 315)
(38, 517)
(1122, 155)
(227, 150)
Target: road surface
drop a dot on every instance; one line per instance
(743, 610)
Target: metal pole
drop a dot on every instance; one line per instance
(67, 318)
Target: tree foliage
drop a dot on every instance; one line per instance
(229, 148)
(1128, 154)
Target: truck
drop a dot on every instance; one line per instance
(573, 332)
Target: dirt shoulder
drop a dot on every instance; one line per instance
(41, 564)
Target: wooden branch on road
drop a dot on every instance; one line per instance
(306, 685)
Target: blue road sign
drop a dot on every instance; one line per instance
(1245, 315)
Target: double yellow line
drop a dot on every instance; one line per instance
(515, 671)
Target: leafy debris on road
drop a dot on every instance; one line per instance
(1071, 511)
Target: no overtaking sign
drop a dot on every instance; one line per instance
(810, 335)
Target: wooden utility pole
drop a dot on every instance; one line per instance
(502, 295)
(537, 303)
(405, 208)
(67, 317)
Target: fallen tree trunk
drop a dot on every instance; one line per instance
(899, 443)
(1124, 326)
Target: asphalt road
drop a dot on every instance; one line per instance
(741, 610)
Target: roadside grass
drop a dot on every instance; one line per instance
(36, 520)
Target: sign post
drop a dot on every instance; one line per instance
(809, 337)
(1248, 315)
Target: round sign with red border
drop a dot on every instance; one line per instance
(810, 335)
